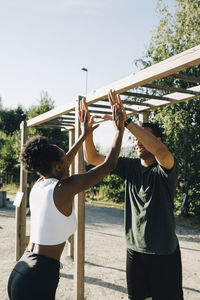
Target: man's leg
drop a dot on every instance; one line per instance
(135, 274)
(165, 273)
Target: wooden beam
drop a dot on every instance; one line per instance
(79, 235)
(20, 212)
(129, 102)
(186, 78)
(170, 89)
(144, 96)
(52, 114)
(178, 98)
(100, 106)
(58, 126)
(56, 121)
(100, 111)
(70, 244)
(144, 117)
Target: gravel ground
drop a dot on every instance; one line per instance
(104, 257)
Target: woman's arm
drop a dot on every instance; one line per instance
(93, 176)
(86, 130)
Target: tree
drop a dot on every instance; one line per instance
(181, 122)
(9, 160)
(54, 136)
(10, 119)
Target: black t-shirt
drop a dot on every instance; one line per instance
(149, 195)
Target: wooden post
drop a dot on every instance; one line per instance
(144, 117)
(71, 142)
(70, 243)
(79, 235)
(20, 212)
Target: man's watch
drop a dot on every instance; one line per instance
(127, 122)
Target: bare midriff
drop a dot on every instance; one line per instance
(53, 251)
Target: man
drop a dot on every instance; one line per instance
(153, 266)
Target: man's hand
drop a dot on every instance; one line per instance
(115, 99)
(118, 117)
(85, 119)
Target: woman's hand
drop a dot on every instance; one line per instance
(85, 119)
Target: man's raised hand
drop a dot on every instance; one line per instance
(115, 99)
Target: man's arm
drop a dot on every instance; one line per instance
(91, 155)
(86, 130)
(153, 144)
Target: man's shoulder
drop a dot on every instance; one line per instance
(131, 160)
(124, 166)
(128, 162)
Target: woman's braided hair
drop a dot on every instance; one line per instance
(38, 155)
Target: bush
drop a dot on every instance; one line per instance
(111, 189)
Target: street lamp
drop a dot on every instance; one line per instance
(86, 80)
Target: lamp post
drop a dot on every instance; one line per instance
(86, 80)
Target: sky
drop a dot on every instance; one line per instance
(44, 44)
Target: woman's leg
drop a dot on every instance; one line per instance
(34, 277)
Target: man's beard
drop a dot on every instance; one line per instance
(144, 155)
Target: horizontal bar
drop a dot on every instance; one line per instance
(186, 78)
(170, 89)
(139, 95)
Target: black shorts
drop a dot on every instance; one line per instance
(156, 276)
(34, 277)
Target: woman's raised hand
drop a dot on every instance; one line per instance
(86, 120)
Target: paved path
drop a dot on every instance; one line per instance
(104, 258)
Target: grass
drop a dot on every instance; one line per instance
(105, 204)
(192, 222)
(11, 189)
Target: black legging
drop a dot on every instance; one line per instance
(34, 277)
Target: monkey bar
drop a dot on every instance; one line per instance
(141, 92)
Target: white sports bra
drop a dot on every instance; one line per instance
(48, 225)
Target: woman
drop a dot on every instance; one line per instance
(53, 221)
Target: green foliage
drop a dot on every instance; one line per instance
(111, 188)
(9, 164)
(175, 33)
(54, 136)
(10, 119)
(181, 122)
